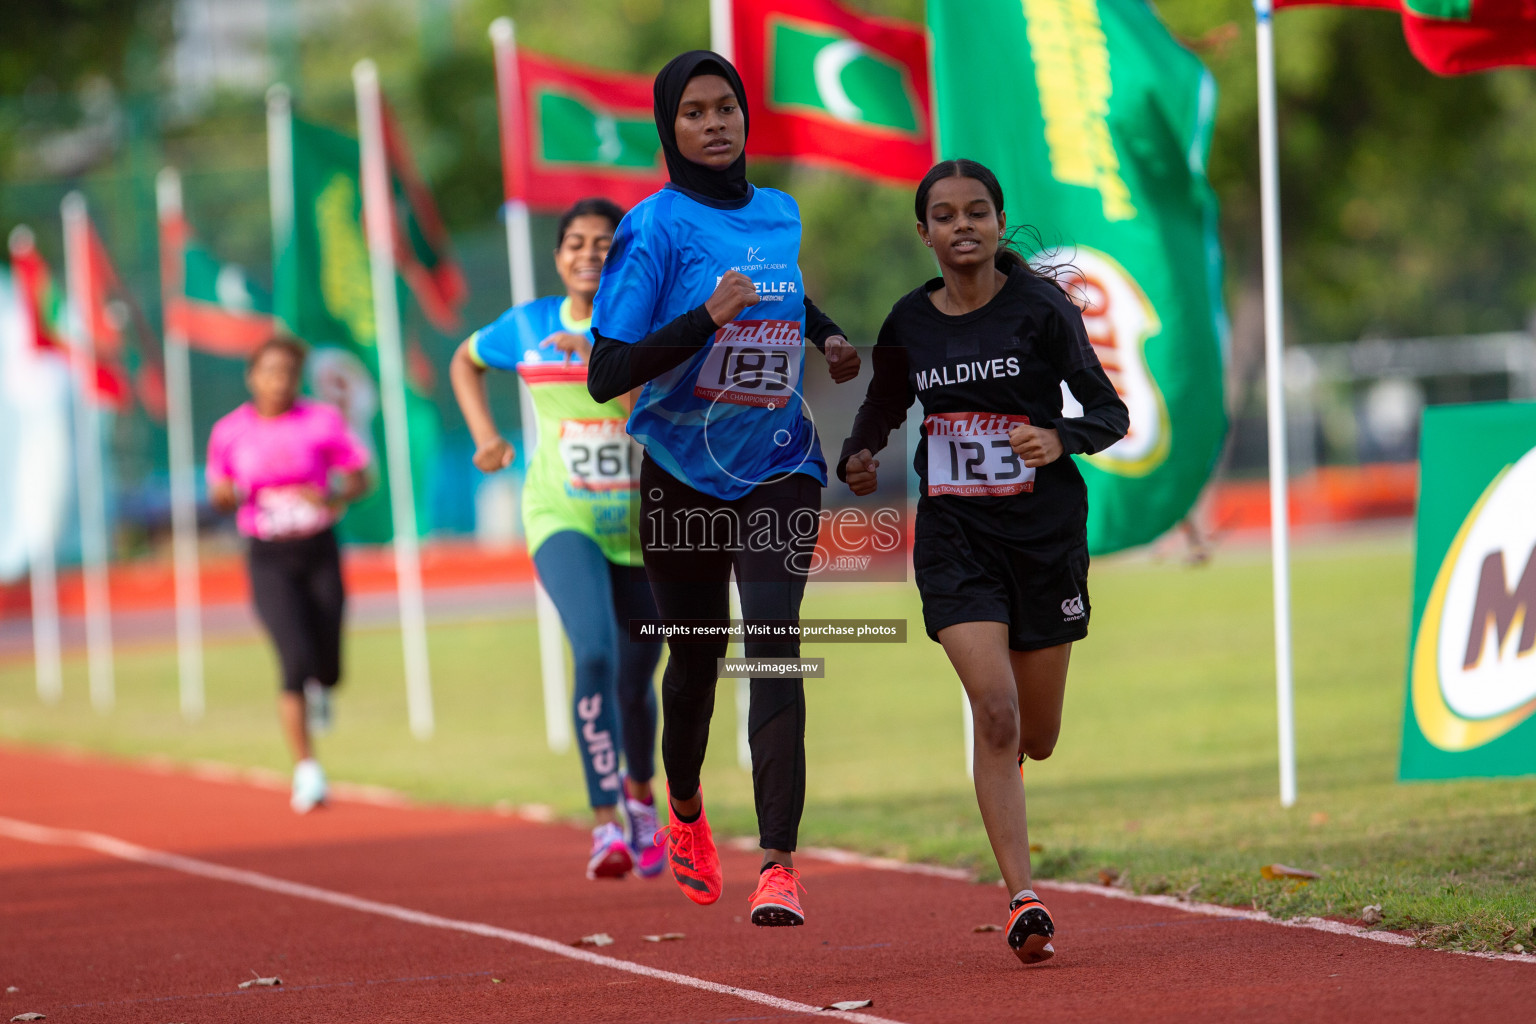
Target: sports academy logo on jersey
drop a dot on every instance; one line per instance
(1473, 673)
(1119, 319)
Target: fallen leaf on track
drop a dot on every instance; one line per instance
(495, 981)
(1274, 871)
(11, 989)
(600, 939)
(1371, 914)
(261, 983)
(664, 937)
(30, 1016)
(849, 1004)
(988, 928)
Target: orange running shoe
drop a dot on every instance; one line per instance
(1030, 929)
(776, 901)
(691, 852)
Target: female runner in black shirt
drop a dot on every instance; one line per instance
(1001, 553)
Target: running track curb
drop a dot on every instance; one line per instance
(123, 850)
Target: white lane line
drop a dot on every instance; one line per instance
(847, 858)
(113, 847)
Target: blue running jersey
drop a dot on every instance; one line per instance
(732, 416)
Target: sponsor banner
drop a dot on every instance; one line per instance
(1097, 123)
(1471, 702)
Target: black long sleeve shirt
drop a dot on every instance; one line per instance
(976, 375)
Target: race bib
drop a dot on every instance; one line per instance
(969, 454)
(283, 513)
(753, 362)
(598, 455)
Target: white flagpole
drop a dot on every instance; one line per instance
(721, 39)
(178, 407)
(41, 565)
(280, 168)
(378, 217)
(88, 463)
(557, 718)
(1274, 345)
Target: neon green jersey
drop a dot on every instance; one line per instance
(583, 469)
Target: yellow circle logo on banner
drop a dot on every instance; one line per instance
(1474, 669)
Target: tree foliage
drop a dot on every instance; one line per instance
(1406, 202)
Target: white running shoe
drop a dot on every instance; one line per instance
(610, 853)
(317, 707)
(309, 789)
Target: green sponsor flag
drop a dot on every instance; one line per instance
(1472, 657)
(322, 291)
(1097, 123)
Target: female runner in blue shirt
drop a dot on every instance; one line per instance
(702, 302)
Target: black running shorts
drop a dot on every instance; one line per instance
(965, 576)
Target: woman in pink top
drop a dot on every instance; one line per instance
(288, 467)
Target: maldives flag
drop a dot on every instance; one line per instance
(1457, 37)
(570, 132)
(828, 86)
(112, 311)
(41, 302)
(423, 254)
(211, 305)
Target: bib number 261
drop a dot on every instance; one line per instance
(598, 455)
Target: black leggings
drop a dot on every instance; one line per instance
(691, 542)
(296, 586)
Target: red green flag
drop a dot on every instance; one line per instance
(113, 314)
(829, 86)
(212, 305)
(568, 132)
(1457, 37)
(423, 254)
(41, 300)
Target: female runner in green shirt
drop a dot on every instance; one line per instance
(577, 502)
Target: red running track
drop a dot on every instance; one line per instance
(417, 914)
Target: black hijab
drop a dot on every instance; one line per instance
(729, 185)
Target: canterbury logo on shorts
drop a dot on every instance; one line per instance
(1072, 608)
